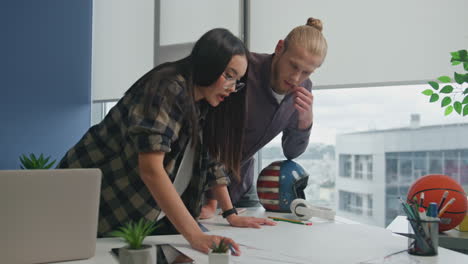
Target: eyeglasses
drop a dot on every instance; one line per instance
(231, 81)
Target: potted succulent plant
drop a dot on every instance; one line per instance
(34, 163)
(135, 252)
(219, 254)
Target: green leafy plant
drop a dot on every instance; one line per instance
(34, 163)
(134, 233)
(222, 247)
(453, 97)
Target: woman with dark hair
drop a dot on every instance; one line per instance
(151, 149)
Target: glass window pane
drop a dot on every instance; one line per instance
(358, 167)
(369, 168)
(420, 164)
(451, 164)
(369, 205)
(435, 162)
(391, 168)
(464, 169)
(406, 170)
(345, 165)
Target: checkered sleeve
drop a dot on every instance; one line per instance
(160, 126)
(216, 174)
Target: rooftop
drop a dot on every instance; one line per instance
(455, 125)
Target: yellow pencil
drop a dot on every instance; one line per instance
(446, 206)
(289, 220)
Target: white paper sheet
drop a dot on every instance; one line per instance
(291, 243)
(321, 243)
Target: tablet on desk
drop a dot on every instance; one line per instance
(166, 254)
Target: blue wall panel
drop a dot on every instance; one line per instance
(45, 77)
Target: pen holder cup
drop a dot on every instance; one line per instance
(424, 240)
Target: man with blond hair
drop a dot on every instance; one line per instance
(279, 99)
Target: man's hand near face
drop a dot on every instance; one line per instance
(303, 101)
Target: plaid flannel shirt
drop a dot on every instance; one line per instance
(113, 146)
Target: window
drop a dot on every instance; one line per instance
(363, 166)
(377, 122)
(369, 205)
(451, 164)
(392, 208)
(349, 122)
(406, 168)
(420, 162)
(357, 207)
(435, 162)
(353, 203)
(345, 166)
(391, 170)
(369, 169)
(358, 167)
(344, 201)
(338, 115)
(464, 169)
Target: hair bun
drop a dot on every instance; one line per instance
(316, 23)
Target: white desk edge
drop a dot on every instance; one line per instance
(104, 245)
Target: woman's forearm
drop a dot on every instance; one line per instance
(157, 181)
(221, 194)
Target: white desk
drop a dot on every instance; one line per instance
(325, 251)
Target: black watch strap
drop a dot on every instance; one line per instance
(229, 212)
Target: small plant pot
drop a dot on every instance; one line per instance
(145, 255)
(219, 258)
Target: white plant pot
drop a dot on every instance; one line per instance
(219, 258)
(146, 255)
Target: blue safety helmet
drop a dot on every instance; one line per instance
(280, 183)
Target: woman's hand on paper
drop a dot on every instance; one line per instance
(247, 221)
(204, 243)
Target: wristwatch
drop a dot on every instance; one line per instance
(229, 212)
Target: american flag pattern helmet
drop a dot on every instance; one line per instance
(280, 183)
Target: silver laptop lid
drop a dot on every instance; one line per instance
(48, 215)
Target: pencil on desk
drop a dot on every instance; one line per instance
(406, 208)
(234, 252)
(421, 199)
(241, 210)
(290, 220)
(444, 196)
(442, 211)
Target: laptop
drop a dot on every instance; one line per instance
(48, 215)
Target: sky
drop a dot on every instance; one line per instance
(339, 111)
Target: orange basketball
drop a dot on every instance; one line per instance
(434, 187)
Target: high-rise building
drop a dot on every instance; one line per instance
(376, 167)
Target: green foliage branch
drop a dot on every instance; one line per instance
(452, 91)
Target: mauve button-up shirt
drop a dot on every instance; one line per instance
(266, 118)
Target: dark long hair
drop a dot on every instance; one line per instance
(224, 131)
(224, 125)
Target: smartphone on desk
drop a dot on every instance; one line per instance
(165, 254)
